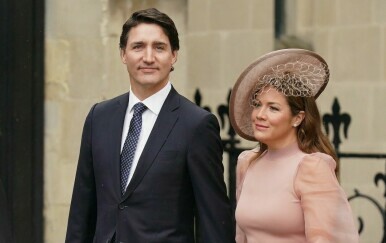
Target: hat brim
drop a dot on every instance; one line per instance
(239, 105)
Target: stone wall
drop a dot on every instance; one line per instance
(219, 38)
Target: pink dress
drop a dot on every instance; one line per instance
(287, 196)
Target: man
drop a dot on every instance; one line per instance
(174, 177)
(5, 223)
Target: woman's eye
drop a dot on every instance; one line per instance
(256, 104)
(274, 108)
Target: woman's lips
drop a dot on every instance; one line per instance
(260, 127)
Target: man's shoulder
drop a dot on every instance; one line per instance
(122, 99)
(119, 98)
(188, 106)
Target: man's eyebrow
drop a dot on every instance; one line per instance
(159, 43)
(136, 42)
(154, 43)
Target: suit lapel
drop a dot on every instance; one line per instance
(162, 128)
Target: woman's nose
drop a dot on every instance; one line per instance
(260, 113)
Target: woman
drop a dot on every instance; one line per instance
(287, 190)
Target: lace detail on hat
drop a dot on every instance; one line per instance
(293, 79)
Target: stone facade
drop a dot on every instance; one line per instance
(219, 38)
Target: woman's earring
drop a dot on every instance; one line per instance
(172, 69)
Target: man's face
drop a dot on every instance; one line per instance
(148, 57)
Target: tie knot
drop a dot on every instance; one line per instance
(139, 108)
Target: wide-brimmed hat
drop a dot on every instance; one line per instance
(294, 72)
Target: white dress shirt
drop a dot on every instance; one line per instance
(149, 116)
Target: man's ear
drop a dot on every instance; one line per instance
(174, 59)
(122, 54)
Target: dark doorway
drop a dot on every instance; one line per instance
(21, 116)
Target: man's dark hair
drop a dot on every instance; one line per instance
(151, 16)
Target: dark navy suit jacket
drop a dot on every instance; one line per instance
(178, 180)
(5, 223)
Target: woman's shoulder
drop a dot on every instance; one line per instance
(245, 158)
(316, 172)
(318, 159)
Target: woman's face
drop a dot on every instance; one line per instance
(272, 120)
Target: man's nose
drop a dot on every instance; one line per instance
(148, 56)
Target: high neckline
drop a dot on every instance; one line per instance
(286, 152)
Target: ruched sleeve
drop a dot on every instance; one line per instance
(327, 213)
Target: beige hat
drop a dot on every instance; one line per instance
(294, 72)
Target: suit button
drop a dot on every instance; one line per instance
(122, 206)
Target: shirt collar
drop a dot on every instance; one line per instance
(154, 102)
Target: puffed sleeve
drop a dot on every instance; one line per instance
(243, 162)
(242, 165)
(240, 236)
(327, 213)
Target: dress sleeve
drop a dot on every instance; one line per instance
(240, 171)
(327, 213)
(243, 162)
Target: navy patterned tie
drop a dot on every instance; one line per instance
(130, 145)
